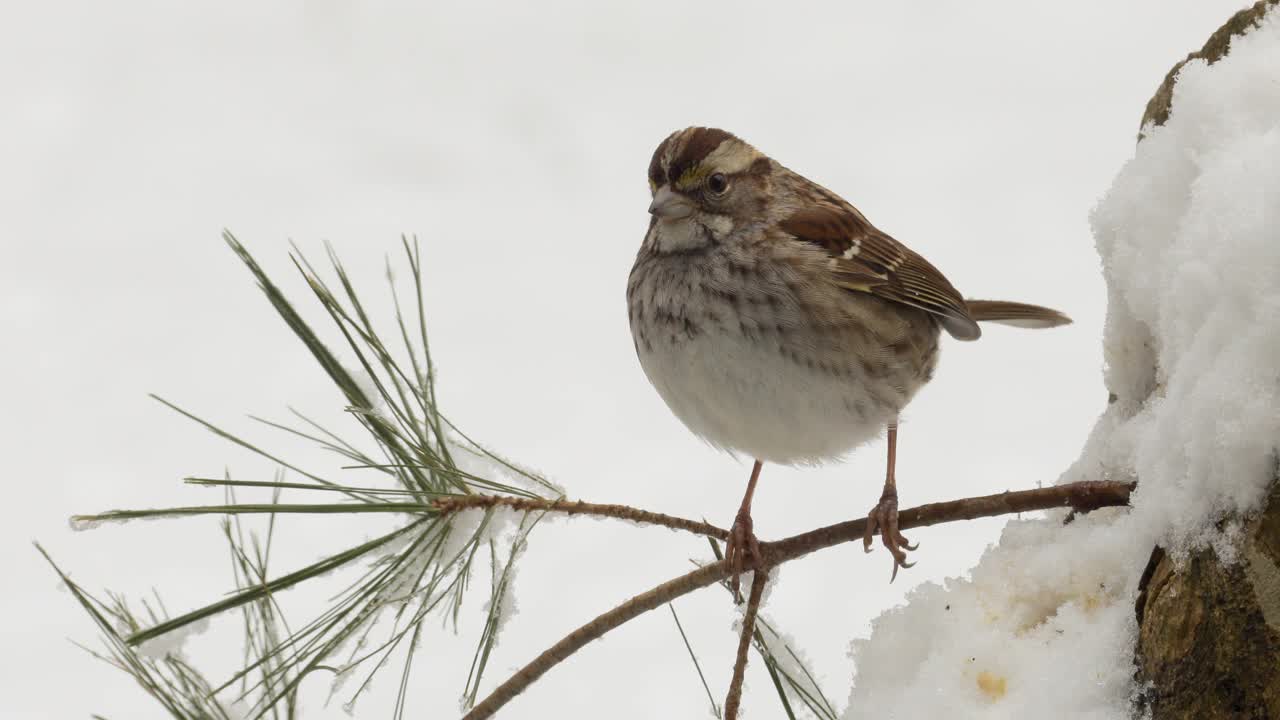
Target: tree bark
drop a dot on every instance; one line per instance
(1209, 631)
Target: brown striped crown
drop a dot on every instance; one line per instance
(688, 156)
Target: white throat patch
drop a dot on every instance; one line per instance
(679, 235)
(689, 233)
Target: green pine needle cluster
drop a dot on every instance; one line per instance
(421, 568)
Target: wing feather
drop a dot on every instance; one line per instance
(864, 259)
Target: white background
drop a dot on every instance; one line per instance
(514, 142)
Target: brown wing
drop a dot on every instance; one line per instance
(864, 259)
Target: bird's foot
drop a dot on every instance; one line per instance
(884, 516)
(741, 547)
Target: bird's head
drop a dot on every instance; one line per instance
(704, 182)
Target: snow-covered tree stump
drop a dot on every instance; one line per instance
(1209, 629)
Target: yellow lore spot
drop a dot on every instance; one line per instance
(692, 177)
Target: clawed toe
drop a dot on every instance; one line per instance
(884, 517)
(741, 548)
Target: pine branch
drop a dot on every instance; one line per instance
(417, 569)
(1081, 497)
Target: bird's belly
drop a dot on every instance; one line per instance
(758, 398)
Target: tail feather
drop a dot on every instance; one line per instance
(1016, 314)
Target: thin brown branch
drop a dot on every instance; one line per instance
(456, 503)
(571, 643)
(734, 698)
(1082, 496)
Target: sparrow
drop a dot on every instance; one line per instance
(776, 322)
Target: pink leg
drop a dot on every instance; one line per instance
(742, 541)
(884, 515)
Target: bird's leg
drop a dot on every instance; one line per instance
(885, 514)
(742, 542)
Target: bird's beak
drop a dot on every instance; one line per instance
(667, 205)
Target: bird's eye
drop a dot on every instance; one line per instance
(717, 183)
